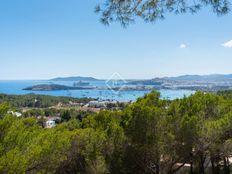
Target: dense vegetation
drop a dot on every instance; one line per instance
(149, 136)
(38, 101)
(226, 94)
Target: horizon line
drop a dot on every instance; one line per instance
(166, 76)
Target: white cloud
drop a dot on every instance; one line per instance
(183, 46)
(227, 44)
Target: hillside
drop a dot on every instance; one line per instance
(38, 101)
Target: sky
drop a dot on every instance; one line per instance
(43, 39)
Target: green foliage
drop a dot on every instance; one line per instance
(3, 109)
(65, 115)
(149, 136)
(38, 101)
(126, 11)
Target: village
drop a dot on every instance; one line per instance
(53, 115)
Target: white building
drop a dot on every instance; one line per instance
(17, 114)
(50, 124)
(97, 104)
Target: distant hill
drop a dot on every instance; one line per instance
(186, 79)
(211, 77)
(75, 78)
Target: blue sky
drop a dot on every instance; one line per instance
(42, 39)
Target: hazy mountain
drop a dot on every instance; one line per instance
(211, 77)
(75, 78)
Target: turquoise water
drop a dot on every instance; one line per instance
(16, 87)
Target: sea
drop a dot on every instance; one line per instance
(16, 87)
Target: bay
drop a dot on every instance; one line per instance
(16, 87)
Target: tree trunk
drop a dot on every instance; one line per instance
(226, 166)
(228, 162)
(191, 167)
(201, 165)
(213, 165)
(158, 169)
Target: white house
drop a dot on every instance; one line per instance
(50, 124)
(17, 114)
(97, 104)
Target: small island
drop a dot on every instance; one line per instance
(54, 87)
